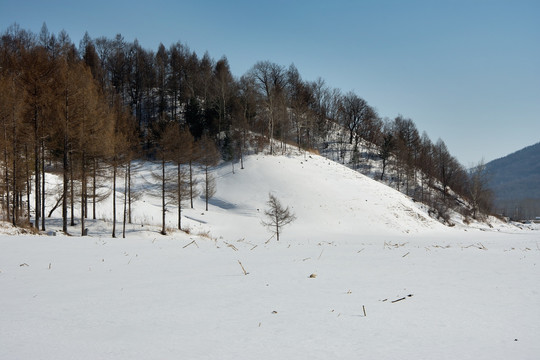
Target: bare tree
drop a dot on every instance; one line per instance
(243, 120)
(425, 163)
(209, 157)
(270, 81)
(163, 134)
(480, 196)
(277, 215)
(353, 108)
(224, 84)
(179, 143)
(37, 80)
(407, 148)
(385, 151)
(300, 98)
(119, 147)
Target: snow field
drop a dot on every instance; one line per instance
(146, 298)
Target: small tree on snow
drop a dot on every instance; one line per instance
(277, 215)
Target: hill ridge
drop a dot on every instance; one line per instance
(517, 175)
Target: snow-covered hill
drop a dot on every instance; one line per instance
(329, 199)
(363, 272)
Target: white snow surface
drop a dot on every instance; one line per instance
(363, 273)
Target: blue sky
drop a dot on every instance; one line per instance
(465, 71)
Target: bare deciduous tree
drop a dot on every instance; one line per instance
(353, 109)
(480, 196)
(277, 215)
(385, 151)
(209, 157)
(270, 81)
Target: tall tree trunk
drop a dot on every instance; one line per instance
(125, 203)
(6, 170)
(65, 185)
(15, 218)
(191, 182)
(114, 199)
(72, 190)
(28, 182)
(129, 191)
(6, 174)
(206, 186)
(43, 185)
(37, 197)
(83, 192)
(94, 189)
(271, 130)
(163, 209)
(65, 162)
(179, 187)
(243, 145)
(13, 174)
(241, 160)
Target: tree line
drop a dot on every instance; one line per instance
(88, 111)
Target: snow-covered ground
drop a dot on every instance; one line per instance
(363, 273)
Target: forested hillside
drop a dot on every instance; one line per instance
(87, 111)
(515, 180)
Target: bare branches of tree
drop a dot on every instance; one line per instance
(209, 157)
(480, 196)
(277, 216)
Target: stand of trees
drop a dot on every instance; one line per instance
(59, 103)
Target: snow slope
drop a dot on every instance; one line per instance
(328, 199)
(428, 291)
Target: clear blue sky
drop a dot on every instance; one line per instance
(466, 71)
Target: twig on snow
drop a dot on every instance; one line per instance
(403, 298)
(193, 242)
(242, 266)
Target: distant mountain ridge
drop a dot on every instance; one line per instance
(516, 176)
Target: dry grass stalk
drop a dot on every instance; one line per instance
(193, 242)
(242, 266)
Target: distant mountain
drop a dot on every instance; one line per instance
(516, 176)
